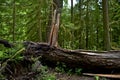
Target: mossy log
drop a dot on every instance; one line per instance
(89, 60)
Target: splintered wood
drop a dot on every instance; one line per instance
(54, 29)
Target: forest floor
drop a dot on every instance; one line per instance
(21, 71)
(66, 76)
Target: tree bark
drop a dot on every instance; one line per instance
(90, 60)
(106, 25)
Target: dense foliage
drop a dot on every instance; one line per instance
(82, 29)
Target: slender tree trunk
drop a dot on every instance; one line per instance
(39, 25)
(72, 32)
(80, 31)
(71, 11)
(14, 17)
(106, 25)
(97, 26)
(87, 27)
(49, 24)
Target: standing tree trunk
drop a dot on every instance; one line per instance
(81, 24)
(39, 26)
(87, 26)
(96, 24)
(106, 25)
(14, 13)
(72, 32)
(71, 11)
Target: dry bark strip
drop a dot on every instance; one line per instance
(104, 75)
(106, 61)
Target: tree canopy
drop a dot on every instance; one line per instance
(81, 24)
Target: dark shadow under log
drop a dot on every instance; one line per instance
(106, 61)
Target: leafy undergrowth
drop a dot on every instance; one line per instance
(26, 70)
(23, 69)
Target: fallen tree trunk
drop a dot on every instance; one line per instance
(89, 60)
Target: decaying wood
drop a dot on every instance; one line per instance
(6, 43)
(103, 75)
(90, 60)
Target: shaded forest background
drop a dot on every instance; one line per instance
(81, 25)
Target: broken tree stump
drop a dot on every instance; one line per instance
(89, 60)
